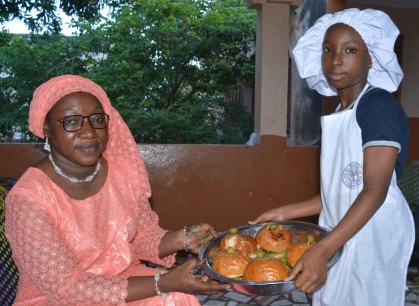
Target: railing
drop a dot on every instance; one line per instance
(409, 185)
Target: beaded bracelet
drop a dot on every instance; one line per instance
(162, 294)
(186, 230)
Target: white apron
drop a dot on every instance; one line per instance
(373, 267)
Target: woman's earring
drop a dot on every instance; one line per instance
(46, 145)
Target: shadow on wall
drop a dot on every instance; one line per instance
(306, 105)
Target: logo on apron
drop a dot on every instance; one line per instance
(353, 175)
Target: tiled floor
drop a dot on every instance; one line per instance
(233, 298)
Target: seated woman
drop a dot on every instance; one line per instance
(79, 221)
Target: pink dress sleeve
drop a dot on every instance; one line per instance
(42, 253)
(149, 235)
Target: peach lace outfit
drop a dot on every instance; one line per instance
(81, 252)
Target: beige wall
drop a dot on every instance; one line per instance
(407, 20)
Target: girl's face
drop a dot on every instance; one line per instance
(82, 147)
(345, 58)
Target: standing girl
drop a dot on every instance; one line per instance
(364, 144)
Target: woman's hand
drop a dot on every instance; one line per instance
(198, 235)
(181, 279)
(178, 279)
(310, 270)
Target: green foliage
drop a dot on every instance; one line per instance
(166, 66)
(40, 14)
(27, 62)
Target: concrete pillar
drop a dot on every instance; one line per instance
(271, 75)
(273, 42)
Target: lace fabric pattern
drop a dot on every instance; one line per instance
(80, 252)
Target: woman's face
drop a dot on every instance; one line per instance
(82, 147)
(345, 57)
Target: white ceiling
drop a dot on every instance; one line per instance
(392, 3)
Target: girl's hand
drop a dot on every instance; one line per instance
(198, 235)
(276, 214)
(310, 207)
(310, 270)
(181, 279)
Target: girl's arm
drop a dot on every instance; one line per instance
(297, 210)
(379, 164)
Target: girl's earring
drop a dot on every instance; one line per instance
(46, 145)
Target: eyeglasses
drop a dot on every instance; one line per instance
(75, 123)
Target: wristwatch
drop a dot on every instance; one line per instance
(162, 294)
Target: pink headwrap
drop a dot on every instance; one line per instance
(121, 145)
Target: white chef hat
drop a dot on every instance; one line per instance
(379, 34)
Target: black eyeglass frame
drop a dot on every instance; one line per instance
(82, 122)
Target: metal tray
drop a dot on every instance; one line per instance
(299, 230)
